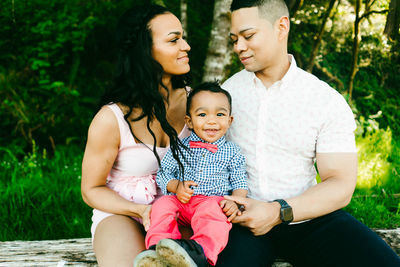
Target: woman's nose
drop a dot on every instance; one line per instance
(185, 45)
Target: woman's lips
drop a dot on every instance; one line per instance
(184, 58)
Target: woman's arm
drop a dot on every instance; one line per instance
(100, 153)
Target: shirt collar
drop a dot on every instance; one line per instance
(219, 142)
(289, 75)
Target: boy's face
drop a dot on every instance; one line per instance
(209, 115)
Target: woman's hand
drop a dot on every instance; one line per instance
(184, 191)
(145, 215)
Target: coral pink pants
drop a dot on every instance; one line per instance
(203, 213)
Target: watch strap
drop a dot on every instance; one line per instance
(286, 214)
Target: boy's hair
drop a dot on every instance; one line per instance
(271, 10)
(213, 87)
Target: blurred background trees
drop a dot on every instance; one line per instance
(56, 59)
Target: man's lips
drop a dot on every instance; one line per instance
(244, 59)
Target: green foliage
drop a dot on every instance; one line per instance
(54, 64)
(375, 202)
(41, 196)
(376, 91)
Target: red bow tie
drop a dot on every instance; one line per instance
(198, 144)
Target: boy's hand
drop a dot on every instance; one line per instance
(230, 209)
(184, 191)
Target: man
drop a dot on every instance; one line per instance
(285, 121)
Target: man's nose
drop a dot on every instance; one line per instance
(240, 45)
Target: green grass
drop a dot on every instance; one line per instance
(40, 195)
(376, 200)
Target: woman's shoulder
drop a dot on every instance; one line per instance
(104, 121)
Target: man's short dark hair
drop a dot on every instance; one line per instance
(268, 9)
(213, 87)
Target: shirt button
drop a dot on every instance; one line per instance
(200, 170)
(203, 155)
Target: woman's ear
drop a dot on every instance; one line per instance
(188, 121)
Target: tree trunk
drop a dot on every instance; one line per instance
(393, 20)
(356, 44)
(219, 51)
(318, 36)
(184, 16)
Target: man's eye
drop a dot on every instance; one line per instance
(248, 36)
(234, 41)
(174, 40)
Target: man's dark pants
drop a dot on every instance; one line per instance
(336, 239)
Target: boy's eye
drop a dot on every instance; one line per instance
(201, 114)
(220, 114)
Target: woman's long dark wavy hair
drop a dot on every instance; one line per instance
(138, 76)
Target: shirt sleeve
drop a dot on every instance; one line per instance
(337, 131)
(237, 171)
(167, 172)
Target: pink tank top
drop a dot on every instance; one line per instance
(134, 169)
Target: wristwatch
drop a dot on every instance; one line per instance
(286, 213)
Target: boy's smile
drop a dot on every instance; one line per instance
(210, 116)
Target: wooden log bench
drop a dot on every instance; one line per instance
(78, 252)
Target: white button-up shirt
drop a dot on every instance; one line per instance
(281, 128)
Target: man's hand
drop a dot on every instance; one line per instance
(184, 191)
(230, 209)
(260, 217)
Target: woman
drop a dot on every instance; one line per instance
(143, 115)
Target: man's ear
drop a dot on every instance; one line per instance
(283, 27)
(188, 121)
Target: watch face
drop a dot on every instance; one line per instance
(287, 214)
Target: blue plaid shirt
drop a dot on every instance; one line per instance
(216, 174)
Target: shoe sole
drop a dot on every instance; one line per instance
(173, 254)
(148, 258)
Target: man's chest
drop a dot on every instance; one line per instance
(277, 122)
